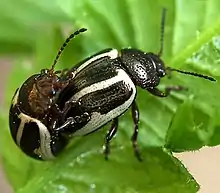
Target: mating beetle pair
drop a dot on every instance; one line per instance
(53, 106)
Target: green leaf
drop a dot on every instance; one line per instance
(102, 176)
(191, 42)
(215, 124)
(190, 134)
(28, 19)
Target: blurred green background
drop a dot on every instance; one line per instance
(31, 33)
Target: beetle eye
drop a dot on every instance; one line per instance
(161, 69)
(161, 72)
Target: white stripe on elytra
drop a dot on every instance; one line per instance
(98, 119)
(15, 98)
(121, 76)
(112, 54)
(45, 138)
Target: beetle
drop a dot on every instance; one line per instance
(53, 106)
(33, 112)
(104, 87)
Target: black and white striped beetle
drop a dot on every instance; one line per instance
(49, 109)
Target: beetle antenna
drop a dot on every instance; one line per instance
(65, 44)
(163, 18)
(191, 73)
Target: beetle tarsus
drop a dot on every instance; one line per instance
(137, 152)
(111, 133)
(168, 90)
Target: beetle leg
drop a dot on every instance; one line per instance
(67, 74)
(71, 121)
(56, 110)
(56, 115)
(60, 116)
(111, 133)
(68, 105)
(135, 117)
(64, 71)
(157, 92)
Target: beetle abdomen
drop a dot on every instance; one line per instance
(31, 135)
